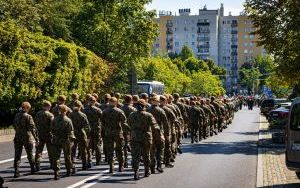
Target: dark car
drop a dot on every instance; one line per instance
(270, 104)
(278, 118)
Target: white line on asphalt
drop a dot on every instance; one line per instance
(94, 177)
(12, 159)
(96, 181)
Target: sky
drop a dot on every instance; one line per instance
(233, 6)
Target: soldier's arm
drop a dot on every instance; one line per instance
(124, 124)
(32, 128)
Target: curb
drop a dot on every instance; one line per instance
(259, 170)
(4, 132)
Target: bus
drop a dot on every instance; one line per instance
(151, 87)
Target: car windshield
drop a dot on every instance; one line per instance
(267, 103)
(295, 118)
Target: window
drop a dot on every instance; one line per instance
(156, 45)
(228, 21)
(176, 44)
(251, 44)
(185, 29)
(245, 51)
(246, 36)
(245, 44)
(193, 43)
(295, 118)
(193, 36)
(250, 51)
(251, 36)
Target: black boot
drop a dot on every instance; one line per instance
(17, 173)
(32, 168)
(68, 173)
(121, 168)
(136, 175)
(37, 167)
(152, 169)
(111, 168)
(147, 173)
(73, 171)
(56, 175)
(125, 165)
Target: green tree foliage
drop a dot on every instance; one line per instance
(279, 30)
(186, 53)
(119, 31)
(34, 67)
(250, 77)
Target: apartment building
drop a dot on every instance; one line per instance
(225, 39)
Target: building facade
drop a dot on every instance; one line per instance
(227, 40)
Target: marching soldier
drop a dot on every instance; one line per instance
(25, 134)
(43, 122)
(61, 100)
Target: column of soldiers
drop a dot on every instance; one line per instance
(150, 128)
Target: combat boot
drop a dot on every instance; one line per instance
(152, 169)
(168, 165)
(159, 168)
(32, 168)
(89, 165)
(56, 175)
(147, 173)
(17, 173)
(136, 175)
(111, 168)
(121, 168)
(37, 167)
(68, 173)
(73, 171)
(126, 165)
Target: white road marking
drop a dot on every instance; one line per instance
(12, 159)
(96, 181)
(94, 177)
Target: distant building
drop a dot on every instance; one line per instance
(227, 40)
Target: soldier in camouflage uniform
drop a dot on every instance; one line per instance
(118, 97)
(105, 104)
(142, 125)
(43, 122)
(157, 150)
(194, 117)
(24, 136)
(97, 104)
(61, 100)
(94, 117)
(127, 109)
(63, 137)
(135, 101)
(81, 126)
(114, 122)
(169, 132)
(75, 98)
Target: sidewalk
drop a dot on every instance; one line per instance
(6, 135)
(272, 171)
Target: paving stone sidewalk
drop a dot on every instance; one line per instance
(275, 172)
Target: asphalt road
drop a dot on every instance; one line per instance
(228, 159)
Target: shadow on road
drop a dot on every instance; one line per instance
(227, 148)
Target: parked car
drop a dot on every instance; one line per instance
(293, 138)
(270, 104)
(278, 118)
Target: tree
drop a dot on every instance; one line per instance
(121, 32)
(35, 67)
(277, 24)
(250, 77)
(186, 53)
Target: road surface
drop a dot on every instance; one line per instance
(228, 159)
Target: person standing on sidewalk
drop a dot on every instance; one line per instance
(43, 122)
(24, 136)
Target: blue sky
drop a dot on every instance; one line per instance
(233, 6)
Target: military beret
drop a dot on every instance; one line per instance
(46, 103)
(142, 102)
(26, 105)
(62, 98)
(144, 95)
(113, 99)
(176, 95)
(135, 98)
(63, 108)
(155, 98)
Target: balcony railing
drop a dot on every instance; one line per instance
(203, 24)
(234, 46)
(169, 24)
(203, 39)
(234, 25)
(234, 32)
(169, 32)
(203, 31)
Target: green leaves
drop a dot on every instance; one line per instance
(41, 68)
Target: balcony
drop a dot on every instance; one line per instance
(234, 40)
(234, 46)
(203, 39)
(170, 47)
(169, 40)
(203, 31)
(234, 32)
(169, 24)
(234, 25)
(234, 53)
(169, 32)
(203, 24)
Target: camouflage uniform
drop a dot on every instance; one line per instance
(194, 117)
(43, 122)
(142, 125)
(55, 110)
(169, 132)
(127, 109)
(63, 137)
(114, 122)
(81, 125)
(158, 146)
(94, 117)
(24, 136)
